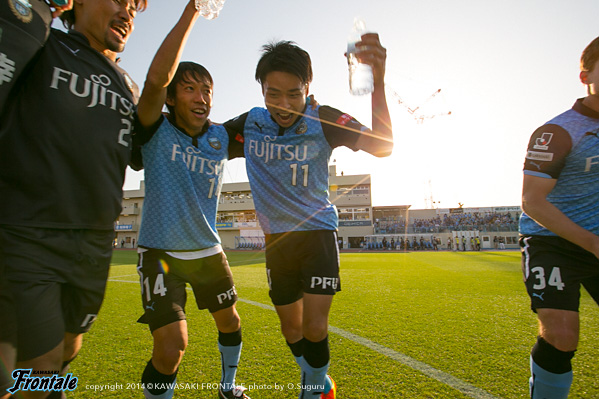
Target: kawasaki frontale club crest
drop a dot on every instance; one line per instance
(21, 9)
(214, 143)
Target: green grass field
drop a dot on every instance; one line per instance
(464, 317)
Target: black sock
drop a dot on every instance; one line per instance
(229, 339)
(156, 378)
(317, 353)
(551, 359)
(297, 348)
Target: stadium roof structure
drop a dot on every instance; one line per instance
(392, 207)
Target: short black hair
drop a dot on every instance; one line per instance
(284, 56)
(187, 71)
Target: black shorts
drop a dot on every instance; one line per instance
(163, 279)
(554, 269)
(57, 278)
(8, 314)
(8, 327)
(302, 261)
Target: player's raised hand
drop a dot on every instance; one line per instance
(371, 52)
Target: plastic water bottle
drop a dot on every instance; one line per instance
(209, 9)
(361, 80)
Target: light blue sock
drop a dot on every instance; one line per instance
(297, 350)
(299, 360)
(229, 356)
(313, 380)
(166, 395)
(547, 385)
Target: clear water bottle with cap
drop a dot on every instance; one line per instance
(209, 9)
(361, 80)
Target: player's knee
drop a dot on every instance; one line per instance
(167, 359)
(230, 326)
(564, 339)
(72, 345)
(291, 331)
(227, 320)
(315, 330)
(168, 353)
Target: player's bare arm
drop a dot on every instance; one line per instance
(379, 142)
(163, 67)
(534, 202)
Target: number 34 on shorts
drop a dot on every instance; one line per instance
(541, 280)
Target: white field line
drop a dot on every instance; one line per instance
(438, 375)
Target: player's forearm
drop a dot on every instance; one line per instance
(550, 217)
(163, 68)
(165, 62)
(381, 121)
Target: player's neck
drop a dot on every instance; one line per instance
(591, 101)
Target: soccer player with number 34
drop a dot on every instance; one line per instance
(560, 230)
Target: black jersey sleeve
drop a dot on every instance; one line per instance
(547, 150)
(24, 29)
(340, 129)
(235, 129)
(141, 135)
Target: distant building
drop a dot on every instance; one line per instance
(359, 221)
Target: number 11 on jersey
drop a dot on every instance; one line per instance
(304, 168)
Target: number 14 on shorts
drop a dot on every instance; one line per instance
(158, 289)
(555, 278)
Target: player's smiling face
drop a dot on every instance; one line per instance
(284, 96)
(191, 105)
(106, 23)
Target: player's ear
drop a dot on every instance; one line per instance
(170, 101)
(584, 77)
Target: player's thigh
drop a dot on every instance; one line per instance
(83, 295)
(212, 282)
(163, 293)
(320, 263)
(227, 320)
(291, 318)
(316, 316)
(561, 328)
(32, 271)
(553, 271)
(283, 268)
(170, 338)
(8, 358)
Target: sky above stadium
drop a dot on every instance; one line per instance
(503, 68)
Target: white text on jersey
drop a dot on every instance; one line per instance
(270, 151)
(196, 163)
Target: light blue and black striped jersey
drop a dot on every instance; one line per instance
(183, 177)
(288, 168)
(567, 149)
